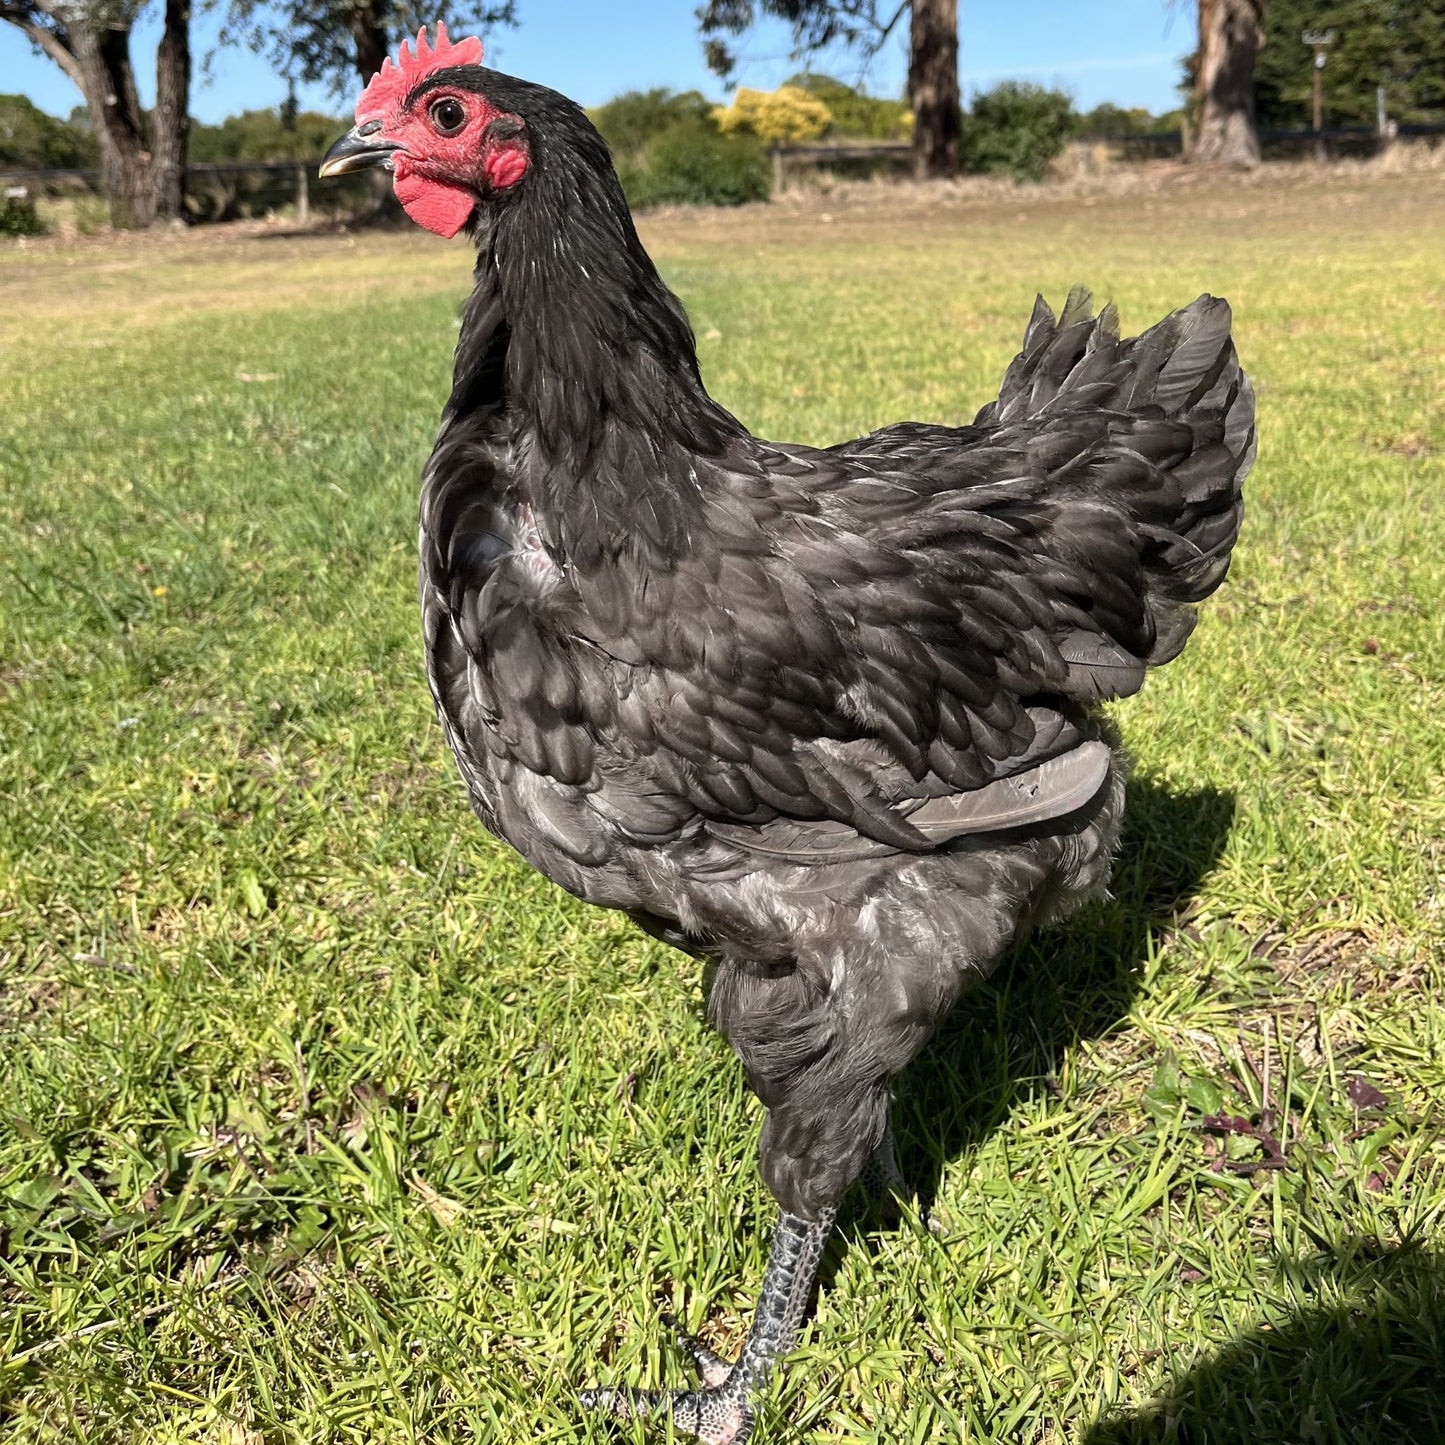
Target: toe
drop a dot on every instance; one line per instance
(712, 1367)
(716, 1417)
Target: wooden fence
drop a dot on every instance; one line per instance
(1337, 140)
(291, 180)
(299, 175)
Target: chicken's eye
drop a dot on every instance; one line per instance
(448, 115)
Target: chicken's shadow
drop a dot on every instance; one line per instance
(1363, 1361)
(1063, 985)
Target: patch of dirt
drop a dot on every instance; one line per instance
(1414, 446)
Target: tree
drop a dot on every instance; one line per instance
(142, 164)
(1399, 44)
(142, 160)
(339, 41)
(1230, 34)
(933, 87)
(865, 25)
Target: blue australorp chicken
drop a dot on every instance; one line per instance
(824, 717)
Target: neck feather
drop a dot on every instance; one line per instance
(579, 351)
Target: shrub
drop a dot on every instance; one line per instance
(1016, 127)
(669, 151)
(633, 119)
(18, 217)
(779, 117)
(692, 163)
(862, 117)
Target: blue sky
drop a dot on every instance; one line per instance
(1121, 50)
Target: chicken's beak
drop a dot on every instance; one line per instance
(360, 147)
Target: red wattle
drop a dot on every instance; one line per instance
(439, 207)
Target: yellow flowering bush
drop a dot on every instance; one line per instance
(784, 116)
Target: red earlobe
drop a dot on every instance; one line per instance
(506, 166)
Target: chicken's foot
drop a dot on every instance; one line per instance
(721, 1413)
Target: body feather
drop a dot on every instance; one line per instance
(825, 715)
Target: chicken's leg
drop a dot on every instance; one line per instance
(721, 1413)
(883, 1180)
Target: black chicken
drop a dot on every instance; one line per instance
(826, 718)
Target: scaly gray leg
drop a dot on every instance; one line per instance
(721, 1413)
(887, 1188)
(883, 1179)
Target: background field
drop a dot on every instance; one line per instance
(321, 1119)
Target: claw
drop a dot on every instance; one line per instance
(711, 1367)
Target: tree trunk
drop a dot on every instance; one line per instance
(140, 187)
(108, 84)
(368, 35)
(171, 122)
(933, 87)
(1230, 34)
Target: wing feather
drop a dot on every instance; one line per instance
(888, 645)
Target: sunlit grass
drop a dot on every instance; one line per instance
(322, 1119)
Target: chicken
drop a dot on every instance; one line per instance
(826, 718)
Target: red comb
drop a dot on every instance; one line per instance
(393, 81)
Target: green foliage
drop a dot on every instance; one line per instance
(316, 40)
(265, 135)
(1399, 44)
(697, 165)
(32, 140)
(856, 115)
(1109, 121)
(634, 118)
(268, 136)
(18, 217)
(669, 151)
(1016, 128)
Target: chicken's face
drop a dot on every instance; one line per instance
(448, 146)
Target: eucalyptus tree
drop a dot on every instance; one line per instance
(340, 41)
(1230, 35)
(865, 26)
(142, 155)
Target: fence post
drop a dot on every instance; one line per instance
(777, 170)
(303, 196)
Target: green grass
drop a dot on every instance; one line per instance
(322, 1119)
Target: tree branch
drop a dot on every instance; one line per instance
(54, 42)
(898, 15)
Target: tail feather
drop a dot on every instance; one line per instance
(1183, 370)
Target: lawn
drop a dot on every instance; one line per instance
(323, 1120)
